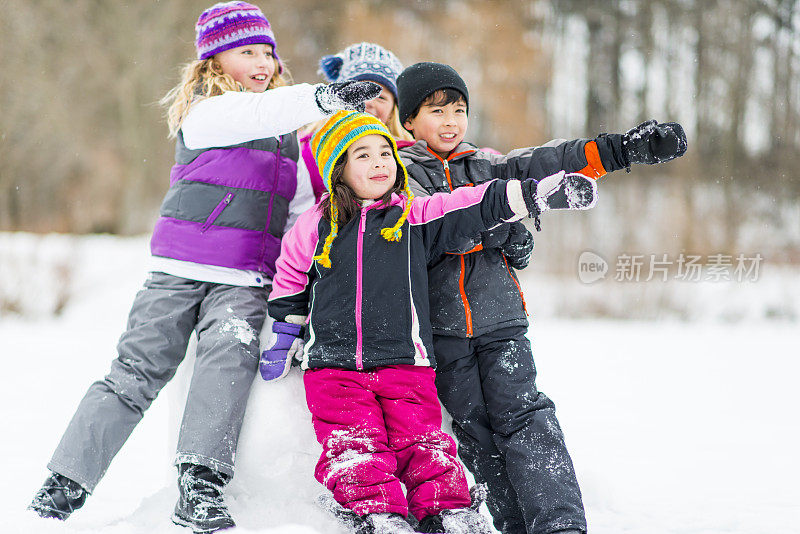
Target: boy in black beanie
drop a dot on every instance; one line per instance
(507, 430)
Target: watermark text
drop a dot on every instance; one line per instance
(662, 267)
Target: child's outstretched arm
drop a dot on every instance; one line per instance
(237, 117)
(514, 240)
(650, 142)
(450, 217)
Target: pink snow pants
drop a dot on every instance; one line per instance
(379, 428)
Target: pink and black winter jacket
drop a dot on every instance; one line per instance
(370, 309)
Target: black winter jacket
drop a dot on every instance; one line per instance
(478, 292)
(370, 308)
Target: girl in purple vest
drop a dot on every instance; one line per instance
(237, 185)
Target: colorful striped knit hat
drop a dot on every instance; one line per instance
(230, 24)
(330, 143)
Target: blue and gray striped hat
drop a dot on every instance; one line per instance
(363, 61)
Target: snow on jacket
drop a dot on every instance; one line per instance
(234, 178)
(474, 292)
(370, 309)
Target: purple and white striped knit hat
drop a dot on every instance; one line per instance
(230, 24)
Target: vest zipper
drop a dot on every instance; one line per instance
(360, 288)
(224, 203)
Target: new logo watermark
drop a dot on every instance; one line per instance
(684, 267)
(591, 267)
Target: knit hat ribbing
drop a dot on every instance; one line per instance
(420, 80)
(363, 61)
(228, 25)
(329, 144)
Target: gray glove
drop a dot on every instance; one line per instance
(345, 95)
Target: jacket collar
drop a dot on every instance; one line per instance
(419, 153)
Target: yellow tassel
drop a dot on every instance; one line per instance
(395, 233)
(392, 234)
(324, 257)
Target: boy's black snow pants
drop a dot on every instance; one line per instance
(507, 431)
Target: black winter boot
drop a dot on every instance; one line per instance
(200, 505)
(58, 497)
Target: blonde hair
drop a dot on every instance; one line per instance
(202, 78)
(394, 126)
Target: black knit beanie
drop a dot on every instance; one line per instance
(419, 80)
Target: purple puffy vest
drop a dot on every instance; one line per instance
(228, 206)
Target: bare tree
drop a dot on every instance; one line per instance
(83, 144)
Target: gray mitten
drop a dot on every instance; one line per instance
(345, 95)
(559, 191)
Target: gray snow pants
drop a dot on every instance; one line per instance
(228, 320)
(507, 431)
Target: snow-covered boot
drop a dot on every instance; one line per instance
(386, 523)
(348, 518)
(58, 497)
(458, 521)
(382, 523)
(478, 494)
(462, 520)
(200, 505)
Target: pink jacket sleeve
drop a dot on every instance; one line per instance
(290, 285)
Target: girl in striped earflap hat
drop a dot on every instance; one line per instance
(360, 62)
(350, 298)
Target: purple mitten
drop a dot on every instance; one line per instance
(276, 360)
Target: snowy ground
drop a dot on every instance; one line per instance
(674, 427)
